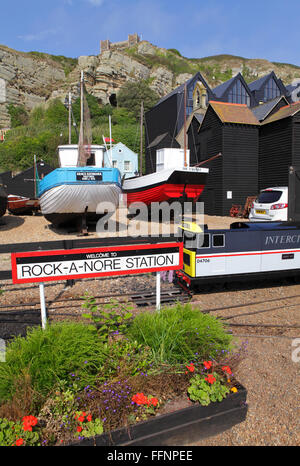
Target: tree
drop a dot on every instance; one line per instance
(98, 113)
(132, 94)
(18, 115)
(56, 113)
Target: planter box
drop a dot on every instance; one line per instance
(181, 427)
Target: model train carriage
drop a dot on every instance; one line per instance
(245, 251)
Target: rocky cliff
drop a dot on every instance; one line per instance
(31, 80)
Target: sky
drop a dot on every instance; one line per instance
(253, 29)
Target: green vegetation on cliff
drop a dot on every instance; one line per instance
(42, 130)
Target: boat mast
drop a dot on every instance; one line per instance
(141, 137)
(184, 130)
(110, 140)
(70, 115)
(81, 100)
(80, 161)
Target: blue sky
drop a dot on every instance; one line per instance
(253, 29)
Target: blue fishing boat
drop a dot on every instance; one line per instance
(85, 186)
(79, 194)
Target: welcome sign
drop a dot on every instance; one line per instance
(29, 267)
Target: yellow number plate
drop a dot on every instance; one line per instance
(263, 212)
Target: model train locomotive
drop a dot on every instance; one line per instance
(245, 251)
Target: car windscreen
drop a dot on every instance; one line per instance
(268, 197)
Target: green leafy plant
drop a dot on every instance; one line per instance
(109, 318)
(207, 389)
(87, 426)
(13, 434)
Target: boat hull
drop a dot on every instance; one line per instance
(167, 185)
(3, 202)
(67, 203)
(69, 194)
(19, 205)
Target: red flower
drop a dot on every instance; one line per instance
(27, 427)
(79, 429)
(19, 442)
(81, 418)
(226, 369)
(28, 422)
(207, 364)
(89, 418)
(141, 399)
(210, 378)
(191, 367)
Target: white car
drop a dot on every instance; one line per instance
(271, 205)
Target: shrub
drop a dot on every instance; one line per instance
(18, 115)
(63, 351)
(180, 334)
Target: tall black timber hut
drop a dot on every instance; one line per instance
(165, 120)
(279, 146)
(233, 131)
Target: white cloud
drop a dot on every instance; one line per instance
(96, 2)
(38, 35)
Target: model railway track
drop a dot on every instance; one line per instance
(166, 297)
(141, 298)
(29, 313)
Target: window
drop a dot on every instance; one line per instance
(204, 240)
(218, 241)
(267, 197)
(127, 165)
(271, 90)
(186, 259)
(91, 159)
(238, 94)
(115, 164)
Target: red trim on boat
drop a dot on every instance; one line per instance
(165, 192)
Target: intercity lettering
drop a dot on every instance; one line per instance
(282, 239)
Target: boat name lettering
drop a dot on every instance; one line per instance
(282, 239)
(88, 176)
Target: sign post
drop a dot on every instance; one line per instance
(43, 305)
(158, 291)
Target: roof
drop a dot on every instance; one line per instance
(219, 90)
(117, 146)
(180, 88)
(292, 87)
(199, 117)
(234, 113)
(157, 140)
(258, 83)
(262, 111)
(283, 112)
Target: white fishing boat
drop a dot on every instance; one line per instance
(174, 180)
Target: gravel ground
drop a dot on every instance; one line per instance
(268, 371)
